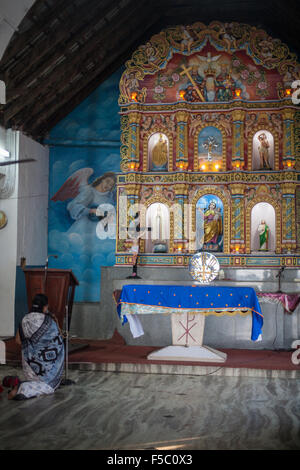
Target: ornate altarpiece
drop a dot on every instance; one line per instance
(207, 115)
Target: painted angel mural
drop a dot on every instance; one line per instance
(90, 203)
(82, 227)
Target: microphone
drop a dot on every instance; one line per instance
(50, 256)
(280, 271)
(46, 269)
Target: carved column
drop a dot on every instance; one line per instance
(288, 138)
(238, 117)
(132, 194)
(134, 141)
(180, 218)
(182, 140)
(237, 244)
(288, 241)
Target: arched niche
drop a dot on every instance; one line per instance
(158, 150)
(209, 148)
(253, 148)
(158, 219)
(209, 223)
(263, 214)
(263, 208)
(192, 215)
(263, 150)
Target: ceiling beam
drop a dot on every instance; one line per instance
(56, 44)
(65, 71)
(115, 57)
(21, 42)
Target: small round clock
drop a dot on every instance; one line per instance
(204, 267)
(3, 219)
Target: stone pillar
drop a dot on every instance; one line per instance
(288, 157)
(238, 139)
(237, 244)
(182, 140)
(288, 241)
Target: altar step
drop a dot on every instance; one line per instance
(184, 369)
(114, 355)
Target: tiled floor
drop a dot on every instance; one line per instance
(110, 410)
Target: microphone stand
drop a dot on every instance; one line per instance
(66, 380)
(279, 279)
(46, 269)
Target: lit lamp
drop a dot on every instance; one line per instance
(288, 92)
(131, 166)
(289, 164)
(216, 167)
(237, 165)
(134, 96)
(182, 165)
(238, 92)
(182, 94)
(203, 167)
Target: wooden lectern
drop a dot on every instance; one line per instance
(59, 286)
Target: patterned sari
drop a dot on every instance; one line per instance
(42, 355)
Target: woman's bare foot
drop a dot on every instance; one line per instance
(13, 392)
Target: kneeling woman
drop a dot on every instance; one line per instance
(42, 352)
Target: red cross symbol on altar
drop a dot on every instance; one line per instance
(187, 329)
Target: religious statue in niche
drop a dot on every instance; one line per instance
(209, 145)
(157, 219)
(263, 231)
(209, 224)
(158, 152)
(263, 150)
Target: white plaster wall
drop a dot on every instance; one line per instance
(33, 202)
(26, 231)
(8, 244)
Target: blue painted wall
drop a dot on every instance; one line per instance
(89, 137)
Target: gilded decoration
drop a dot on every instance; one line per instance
(230, 38)
(219, 94)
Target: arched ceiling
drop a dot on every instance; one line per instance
(64, 49)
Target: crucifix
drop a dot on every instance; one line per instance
(186, 72)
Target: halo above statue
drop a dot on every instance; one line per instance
(204, 267)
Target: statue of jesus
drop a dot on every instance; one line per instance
(263, 231)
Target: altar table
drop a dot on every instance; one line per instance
(186, 303)
(206, 300)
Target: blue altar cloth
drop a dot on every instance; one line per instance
(197, 299)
